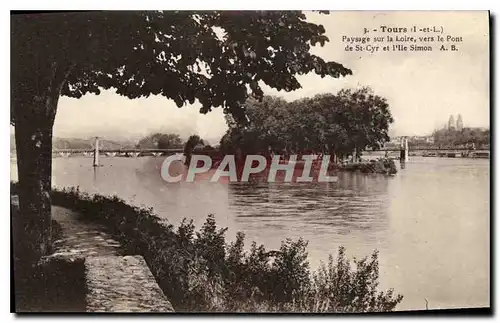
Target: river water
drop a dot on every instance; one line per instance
(430, 222)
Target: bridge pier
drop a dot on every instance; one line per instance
(96, 152)
(404, 157)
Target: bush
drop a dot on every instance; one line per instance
(55, 286)
(200, 271)
(384, 166)
(339, 288)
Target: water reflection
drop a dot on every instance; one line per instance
(342, 207)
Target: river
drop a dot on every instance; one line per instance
(430, 222)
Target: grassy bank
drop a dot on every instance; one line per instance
(200, 271)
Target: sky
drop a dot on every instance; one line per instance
(422, 88)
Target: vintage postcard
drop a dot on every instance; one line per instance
(250, 161)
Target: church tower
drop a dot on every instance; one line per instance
(460, 123)
(451, 123)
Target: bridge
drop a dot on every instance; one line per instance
(165, 152)
(116, 153)
(178, 150)
(408, 150)
(120, 151)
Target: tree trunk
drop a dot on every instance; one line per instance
(33, 134)
(40, 67)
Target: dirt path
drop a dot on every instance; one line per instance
(81, 238)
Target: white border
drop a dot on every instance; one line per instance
(214, 4)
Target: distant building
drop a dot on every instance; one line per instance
(460, 123)
(395, 140)
(417, 140)
(451, 123)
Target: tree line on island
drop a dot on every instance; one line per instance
(341, 125)
(171, 141)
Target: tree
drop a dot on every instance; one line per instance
(161, 141)
(169, 141)
(191, 143)
(338, 124)
(465, 137)
(264, 127)
(359, 120)
(217, 58)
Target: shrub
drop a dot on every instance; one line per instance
(384, 166)
(340, 288)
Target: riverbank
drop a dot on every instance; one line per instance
(200, 271)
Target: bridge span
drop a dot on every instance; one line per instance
(118, 152)
(439, 152)
(405, 150)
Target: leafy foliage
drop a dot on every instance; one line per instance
(339, 287)
(350, 121)
(191, 143)
(160, 141)
(466, 137)
(385, 166)
(200, 271)
(214, 57)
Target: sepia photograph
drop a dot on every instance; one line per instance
(250, 162)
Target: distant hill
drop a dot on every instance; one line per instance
(71, 143)
(79, 143)
(114, 144)
(76, 143)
